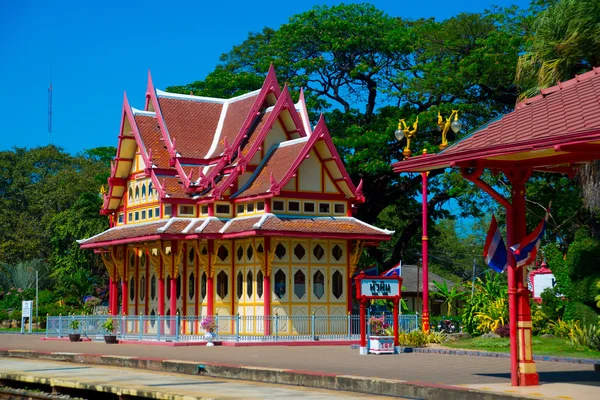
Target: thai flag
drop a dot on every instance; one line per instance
(396, 270)
(526, 251)
(495, 249)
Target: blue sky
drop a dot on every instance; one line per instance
(101, 49)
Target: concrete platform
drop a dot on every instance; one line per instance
(408, 375)
(158, 385)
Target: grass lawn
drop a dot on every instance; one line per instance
(541, 346)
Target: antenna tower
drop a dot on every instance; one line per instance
(50, 105)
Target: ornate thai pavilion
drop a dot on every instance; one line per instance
(234, 205)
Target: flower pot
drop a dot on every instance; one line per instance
(74, 337)
(110, 339)
(210, 338)
(381, 344)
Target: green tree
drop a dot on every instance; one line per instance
(405, 69)
(447, 295)
(566, 41)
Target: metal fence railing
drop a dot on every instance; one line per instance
(228, 328)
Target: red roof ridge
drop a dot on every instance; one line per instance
(560, 86)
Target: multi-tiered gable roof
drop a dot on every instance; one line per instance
(198, 150)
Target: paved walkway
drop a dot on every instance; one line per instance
(560, 380)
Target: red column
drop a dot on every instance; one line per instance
(363, 328)
(396, 322)
(210, 290)
(267, 289)
(425, 250)
(519, 309)
(124, 291)
(111, 296)
(173, 284)
(161, 289)
(114, 307)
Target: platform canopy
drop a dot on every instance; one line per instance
(553, 132)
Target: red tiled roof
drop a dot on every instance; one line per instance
(213, 226)
(237, 111)
(173, 187)
(573, 108)
(253, 136)
(278, 163)
(317, 225)
(125, 232)
(241, 225)
(560, 115)
(337, 226)
(192, 123)
(152, 139)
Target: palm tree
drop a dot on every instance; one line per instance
(566, 42)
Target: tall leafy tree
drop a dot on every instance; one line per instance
(565, 42)
(365, 70)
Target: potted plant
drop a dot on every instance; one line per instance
(74, 325)
(109, 328)
(210, 326)
(379, 341)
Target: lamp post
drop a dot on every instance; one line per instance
(402, 132)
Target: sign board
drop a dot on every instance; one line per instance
(26, 314)
(379, 288)
(542, 282)
(26, 309)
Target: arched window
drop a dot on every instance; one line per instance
(144, 192)
(222, 284)
(249, 284)
(150, 191)
(137, 194)
(130, 195)
(259, 284)
(240, 285)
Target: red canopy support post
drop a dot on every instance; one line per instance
(396, 322)
(210, 290)
(267, 288)
(124, 291)
(519, 308)
(363, 328)
(173, 287)
(425, 250)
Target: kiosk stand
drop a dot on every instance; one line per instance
(382, 287)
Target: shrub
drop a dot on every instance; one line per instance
(74, 324)
(412, 339)
(494, 313)
(562, 328)
(108, 326)
(553, 306)
(503, 331)
(580, 312)
(3, 315)
(586, 337)
(15, 314)
(540, 323)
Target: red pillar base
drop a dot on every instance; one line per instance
(528, 379)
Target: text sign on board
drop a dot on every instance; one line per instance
(26, 309)
(379, 287)
(542, 282)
